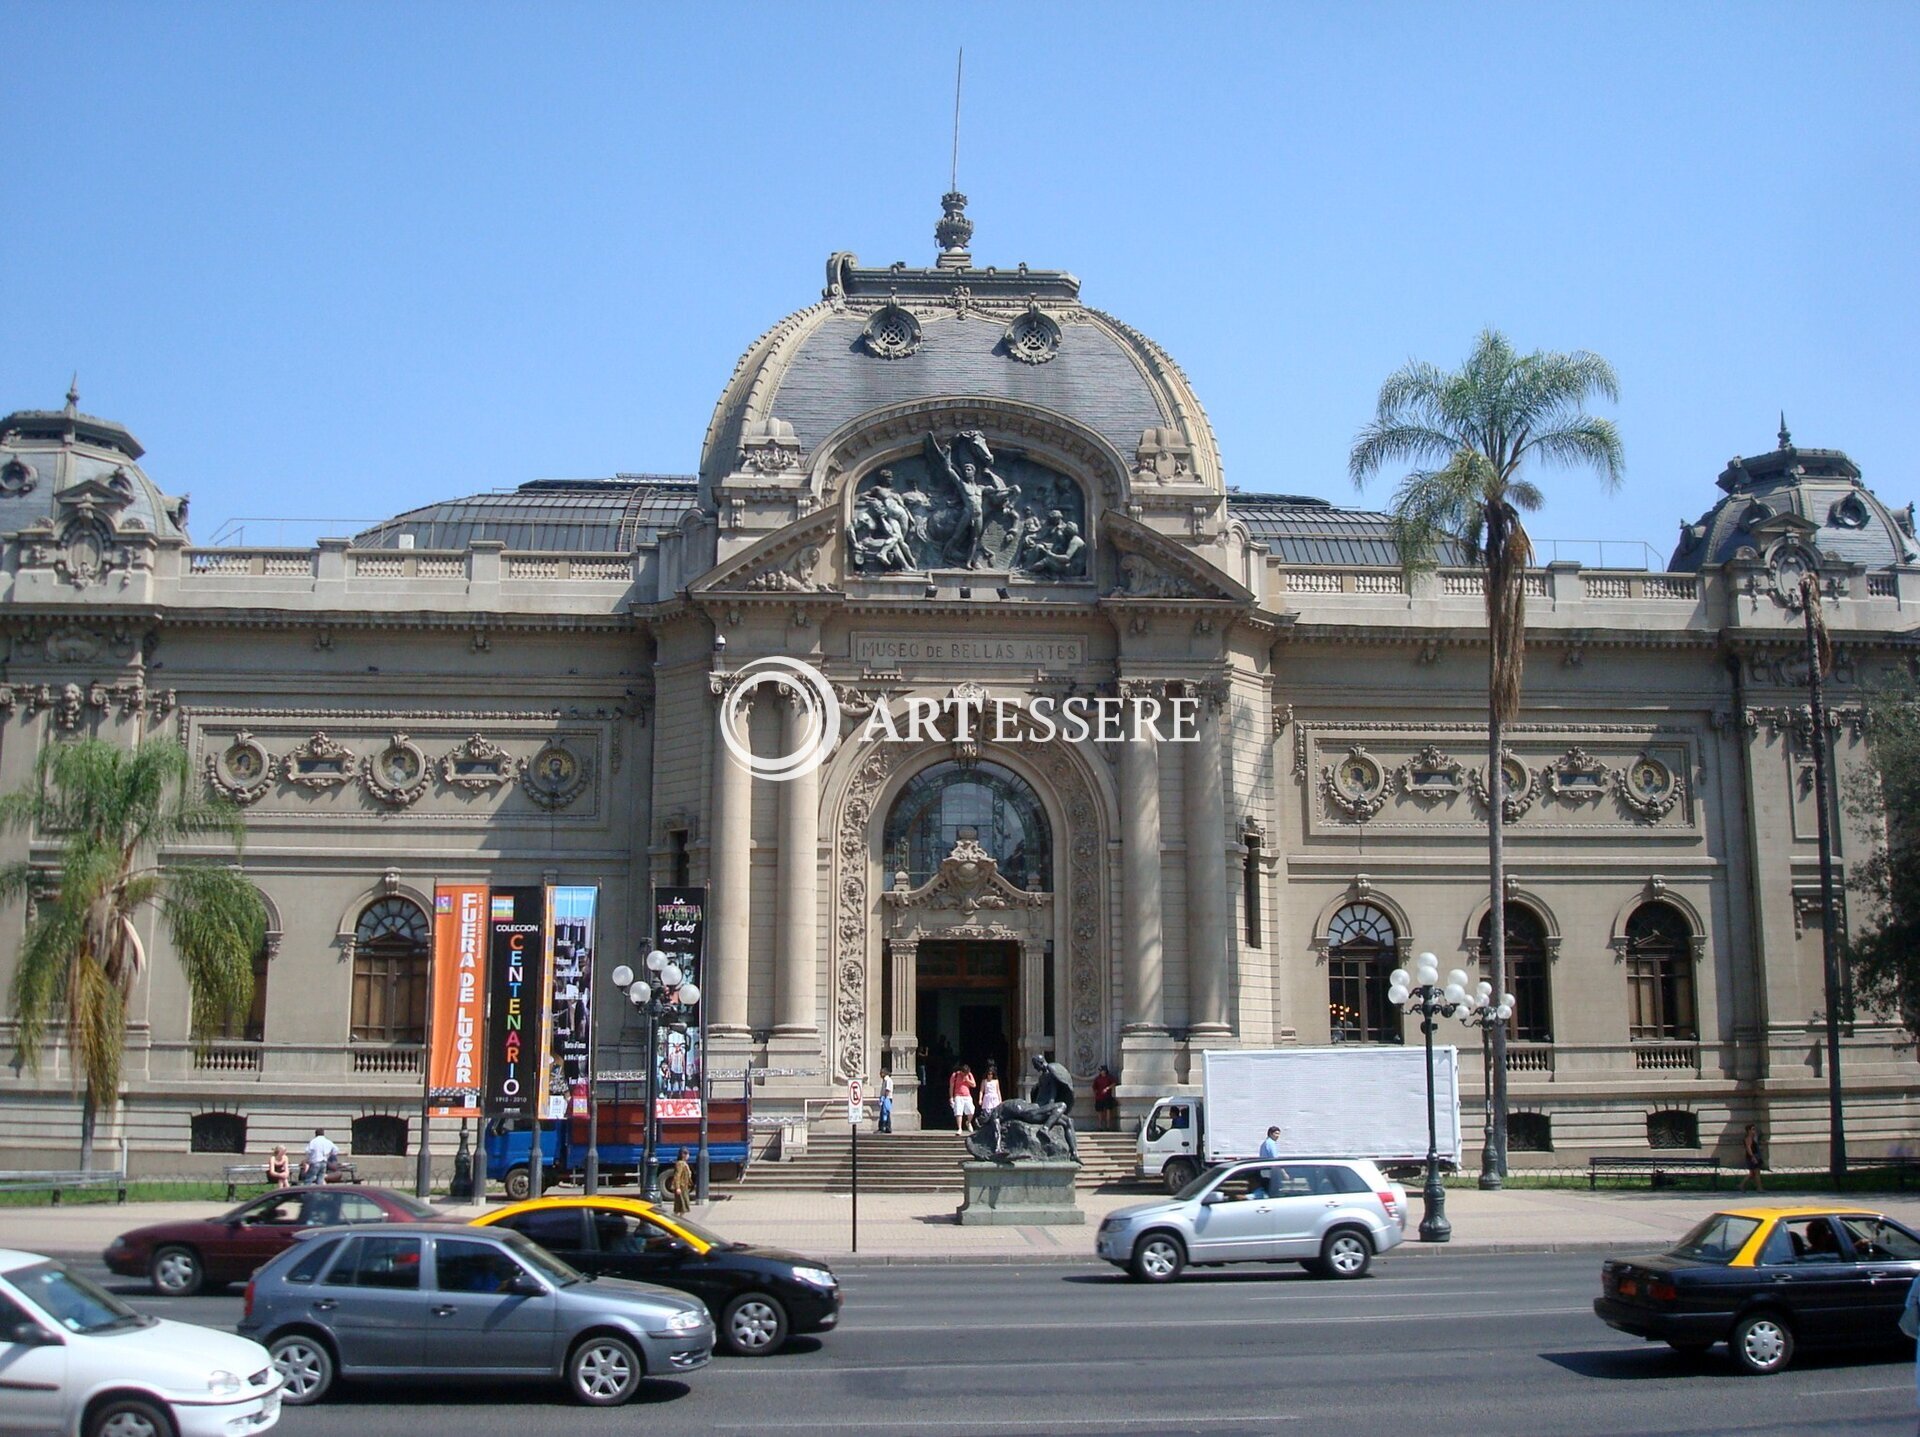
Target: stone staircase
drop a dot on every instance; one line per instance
(921, 1162)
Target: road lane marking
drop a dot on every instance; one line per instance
(1851, 1391)
(1397, 1315)
(1053, 1423)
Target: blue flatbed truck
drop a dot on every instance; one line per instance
(563, 1145)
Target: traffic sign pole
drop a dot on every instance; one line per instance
(853, 1125)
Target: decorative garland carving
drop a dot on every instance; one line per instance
(243, 770)
(398, 774)
(554, 777)
(476, 765)
(319, 763)
(1577, 777)
(1431, 775)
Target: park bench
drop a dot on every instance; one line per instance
(59, 1182)
(1658, 1167)
(253, 1174)
(1902, 1168)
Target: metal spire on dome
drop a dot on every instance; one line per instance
(73, 404)
(1786, 439)
(954, 229)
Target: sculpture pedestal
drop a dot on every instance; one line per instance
(1024, 1194)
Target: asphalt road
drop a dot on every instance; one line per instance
(1437, 1345)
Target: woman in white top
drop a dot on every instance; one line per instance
(990, 1090)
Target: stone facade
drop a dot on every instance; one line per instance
(459, 695)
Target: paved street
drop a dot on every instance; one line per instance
(1460, 1343)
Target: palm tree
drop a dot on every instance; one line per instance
(1479, 426)
(116, 814)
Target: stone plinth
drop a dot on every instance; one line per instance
(1026, 1194)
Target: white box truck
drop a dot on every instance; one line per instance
(1353, 1101)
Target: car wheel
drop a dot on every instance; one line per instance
(305, 1365)
(1346, 1253)
(176, 1272)
(1158, 1257)
(753, 1325)
(129, 1417)
(518, 1184)
(1761, 1343)
(604, 1371)
(1177, 1173)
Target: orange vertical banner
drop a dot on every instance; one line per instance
(459, 1000)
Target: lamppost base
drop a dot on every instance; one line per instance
(1434, 1226)
(1490, 1182)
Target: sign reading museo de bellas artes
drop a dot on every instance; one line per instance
(516, 1017)
(680, 932)
(459, 999)
(570, 928)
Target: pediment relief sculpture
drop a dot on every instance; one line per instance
(969, 882)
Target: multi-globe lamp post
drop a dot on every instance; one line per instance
(1420, 992)
(1484, 1012)
(666, 999)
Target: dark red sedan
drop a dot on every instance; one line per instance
(180, 1258)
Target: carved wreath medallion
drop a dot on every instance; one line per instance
(1649, 787)
(243, 770)
(554, 777)
(1357, 785)
(1519, 787)
(398, 774)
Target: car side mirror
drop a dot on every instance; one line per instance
(1212, 1198)
(31, 1334)
(523, 1284)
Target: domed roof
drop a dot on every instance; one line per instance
(884, 337)
(1816, 493)
(612, 516)
(45, 453)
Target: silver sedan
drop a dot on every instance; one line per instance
(1331, 1215)
(439, 1300)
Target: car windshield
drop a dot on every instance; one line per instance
(1717, 1239)
(73, 1302)
(539, 1259)
(696, 1231)
(1200, 1184)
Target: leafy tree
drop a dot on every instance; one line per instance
(1883, 957)
(1479, 427)
(117, 814)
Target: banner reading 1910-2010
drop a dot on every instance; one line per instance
(459, 999)
(517, 1011)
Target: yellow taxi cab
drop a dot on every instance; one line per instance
(1767, 1279)
(758, 1297)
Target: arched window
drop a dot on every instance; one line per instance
(1526, 972)
(379, 1136)
(1660, 975)
(1362, 950)
(390, 957)
(1007, 815)
(219, 1133)
(1673, 1128)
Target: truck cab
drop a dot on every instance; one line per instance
(1172, 1141)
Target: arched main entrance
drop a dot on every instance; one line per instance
(968, 849)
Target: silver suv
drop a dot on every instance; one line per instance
(1331, 1215)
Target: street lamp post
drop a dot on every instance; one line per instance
(1420, 992)
(1488, 1016)
(666, 999)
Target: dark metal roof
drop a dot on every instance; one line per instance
(1301, 530)
(562, 515)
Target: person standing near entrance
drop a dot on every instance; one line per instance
(1754, 1156)
(1106, 1110)
(886, 1102)
(960, 1095)
(990, 1089)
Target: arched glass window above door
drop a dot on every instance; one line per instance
(1008, 818)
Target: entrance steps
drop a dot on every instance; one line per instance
(919, 1162)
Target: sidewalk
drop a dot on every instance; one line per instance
(920, 1227)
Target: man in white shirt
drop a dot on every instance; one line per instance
(1271, 1149)
(320, 1152)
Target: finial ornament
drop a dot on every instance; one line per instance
(953, 231)
(73, 392)
(1786, 439)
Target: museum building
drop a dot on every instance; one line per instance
(963, 488)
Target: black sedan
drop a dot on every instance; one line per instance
(758, 1296)
(1766, 1280)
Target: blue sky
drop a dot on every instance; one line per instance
(331, 262)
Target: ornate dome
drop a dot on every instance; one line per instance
(53, 459)
(886, 337)
(1796, 496)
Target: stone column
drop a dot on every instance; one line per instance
(1147, 1052)
(903, 1044)
(1034, 1026)
(796, 961)
(731, 865)
(1208, 987)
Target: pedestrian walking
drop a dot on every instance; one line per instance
(886, 1102)
(990, 1089)
(680, 1185)
(1755, 1157)
(960, 1097)
(1106, 1105)
(279, 1168)
(1270, 1148)
(321, 1151)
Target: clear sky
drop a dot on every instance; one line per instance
(334, 261)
